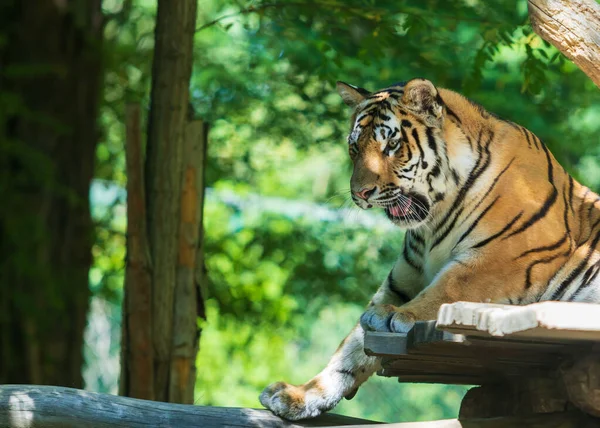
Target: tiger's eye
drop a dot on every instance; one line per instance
(393, 144)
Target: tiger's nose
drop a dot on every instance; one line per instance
(365, 192)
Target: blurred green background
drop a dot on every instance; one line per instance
(290, 261)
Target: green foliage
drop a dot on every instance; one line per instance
(285, 286)
(257, 269)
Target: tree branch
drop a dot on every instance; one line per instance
(573, 27)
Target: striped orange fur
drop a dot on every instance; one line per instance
(491, 216)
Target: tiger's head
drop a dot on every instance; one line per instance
(396, 146)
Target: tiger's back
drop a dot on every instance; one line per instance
(514, 208)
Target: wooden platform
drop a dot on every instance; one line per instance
(475, 344)
(530, 360)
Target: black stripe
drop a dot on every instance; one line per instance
(550, 247)
(591, 208)
(474, 224)
(447, 231)
(495, 235)
(404, 135)
(415, 135)
(451, 113)
(528, 132)
(566, 216)
(407, 148)
(540, 214)
(404, 298)
(346, 372)
(580, 215)
(571, 194)
(413, 264)
(596, 223)
(562, 288)
(541, 261)
(469, 141)
(455, 176)
(471, 179)
(414, 235)
(362, 117)
(394, 91)
(431, 141)
(385, 104)
(548, 203)
(489, 189)
(512, 124)
(415, 249)
(587, 277)
(526, 136)
(549, 160)
(413, 166)
(537, 141)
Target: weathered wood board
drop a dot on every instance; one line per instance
(546, 321)
(532, 359)
(428, 355)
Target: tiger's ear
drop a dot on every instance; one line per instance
(351, 95)
(423, 99)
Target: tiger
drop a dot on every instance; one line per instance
(489, 216)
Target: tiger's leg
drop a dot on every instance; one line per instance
(456, 282)
(347, 369)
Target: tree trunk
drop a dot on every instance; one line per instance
(173, 206)
(137, 357)
(50, 87)
(573, 27)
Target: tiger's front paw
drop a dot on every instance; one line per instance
(386, 318)
(296, 402)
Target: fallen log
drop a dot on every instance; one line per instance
(30, 406)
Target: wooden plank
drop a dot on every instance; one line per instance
(437, 345)
(491, 349)
(382, 344)
(429, 355)
(477, 368)
(546, 321)
(30, 406)
(409, 376)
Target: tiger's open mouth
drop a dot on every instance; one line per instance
(408, 208)
(400, 210)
